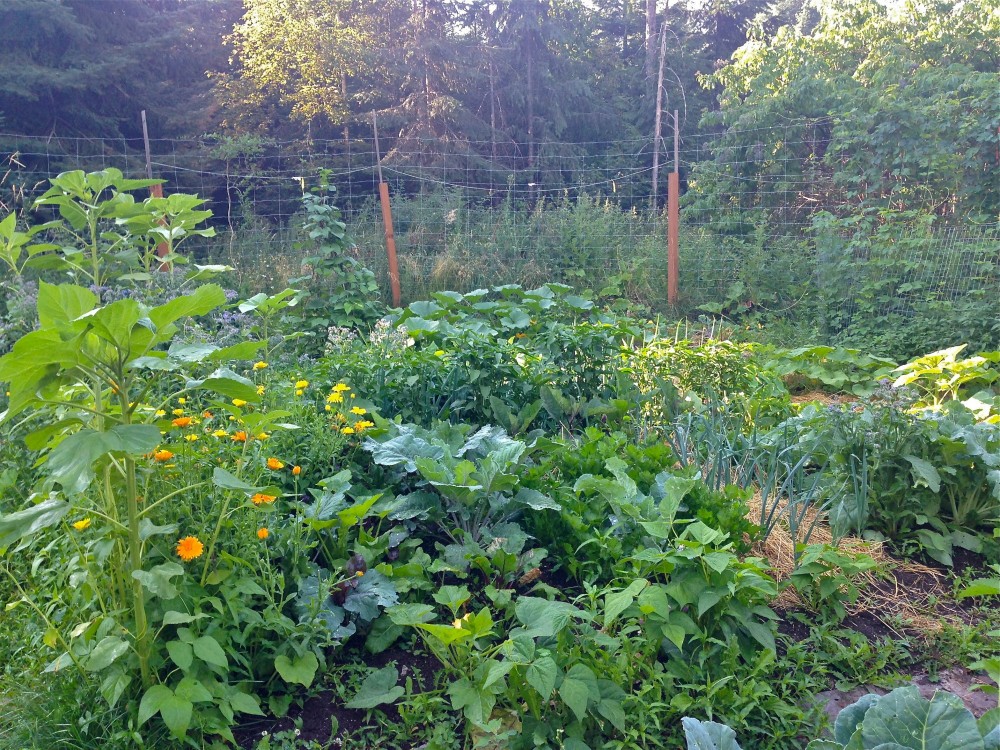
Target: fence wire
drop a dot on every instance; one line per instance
(477, 214)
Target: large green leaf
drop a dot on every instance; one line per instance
(209, 651)
(106, 652)
(157, 580)
(850, 718)
(62, 304)
(174, 710)
(71, 463)
(203, 300)
(541, 674)
(227, 383)
(543, 618)
(403, 450)
(378, 688)
(905, 717)
(300, 671)
(23, 523)
(708, 735)
(617, 602)
(578, 689)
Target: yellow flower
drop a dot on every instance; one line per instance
(182, 422)
(177, 412)
(274, 464)
(191, 438)
(260, 390)
(296, 470)
(189, 548)
(298, 391)
(301, 384)
(348, 430)
(335, 398)
(238, 402)
(163, 455)
(83, 523)
(358, 410)
(262, 436)
(263, 533)
(239, 437)
(439, 353)
(259, 365)
(219, 433)
(161, 413)
(328, 407)
(182, 401)
(341, 387)
(364, 424)
(261, 499)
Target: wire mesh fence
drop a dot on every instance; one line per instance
(478, 214)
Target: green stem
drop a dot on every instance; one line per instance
(170, 495)
(134, 564)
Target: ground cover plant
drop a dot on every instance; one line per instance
(510, 518)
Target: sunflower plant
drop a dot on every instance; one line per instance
(155, 546)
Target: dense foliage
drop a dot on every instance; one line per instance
(209, 514)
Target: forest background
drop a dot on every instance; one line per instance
(839, 160)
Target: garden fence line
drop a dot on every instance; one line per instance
(472, 214)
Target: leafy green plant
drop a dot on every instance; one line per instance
(824, 577)
(468, 486)
(338, 289)
(900, 720)
(112, 235)
(836, 368)
(905, 719)
(942, 376)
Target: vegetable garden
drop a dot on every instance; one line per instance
(508, 518)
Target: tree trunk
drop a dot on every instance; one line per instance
(650, 39)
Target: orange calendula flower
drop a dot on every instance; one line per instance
(189, 548)
(182, 422)
(239, 437)
(83, 523)
(261, 499)
(259, 365)
(238, 402)
(263, 533)
(207, 414)
(162, 455)
(274, 464)
(296, 470)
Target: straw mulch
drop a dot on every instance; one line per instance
(821, 397)
(894, 592)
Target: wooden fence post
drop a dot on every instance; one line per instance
(390, 237)
(155, 191)
(673, 221)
